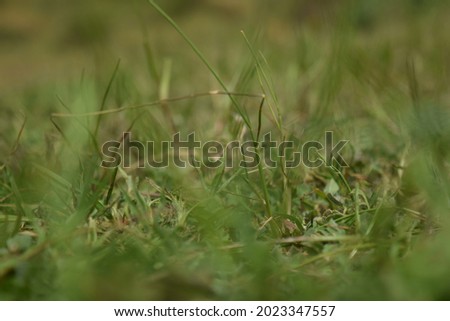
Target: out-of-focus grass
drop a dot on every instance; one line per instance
(373, 72)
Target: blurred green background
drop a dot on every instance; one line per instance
(375, 73)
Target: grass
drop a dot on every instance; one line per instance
(372, 72)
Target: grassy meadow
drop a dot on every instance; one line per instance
(375, 73)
